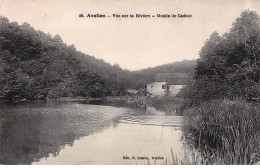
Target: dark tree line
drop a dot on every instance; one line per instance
(37, 66)
(229, 64)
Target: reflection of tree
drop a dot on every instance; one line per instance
(19, 144)
(29, 133)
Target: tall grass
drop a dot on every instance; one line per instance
(166, 104)
(190, 157)
(224, 131)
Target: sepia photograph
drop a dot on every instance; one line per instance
(129, 82)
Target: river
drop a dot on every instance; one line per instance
(77, 133)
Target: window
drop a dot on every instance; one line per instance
(163, 86)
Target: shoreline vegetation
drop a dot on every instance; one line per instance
(224, 131)
(221, 107)
(168, 105)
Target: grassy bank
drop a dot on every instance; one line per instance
(124, 101)
(166, 104)
(224, 131)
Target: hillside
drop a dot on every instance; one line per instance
(36, 66)
(146, 76)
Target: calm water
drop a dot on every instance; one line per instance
(76, 133)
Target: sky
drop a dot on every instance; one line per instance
(132, 43)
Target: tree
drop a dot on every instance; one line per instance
(228, 66)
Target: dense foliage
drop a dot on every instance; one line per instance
(37, 66)
(221, 119)
(229, 65)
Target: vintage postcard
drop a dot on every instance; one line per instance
(129, 82)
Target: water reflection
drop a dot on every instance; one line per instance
(110, 145)
(32, 131)
(74, 133)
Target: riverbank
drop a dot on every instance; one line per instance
(168, 105)
(60, 99)
(123, 101)
(224, 131)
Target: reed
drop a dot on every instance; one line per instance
(224, 131)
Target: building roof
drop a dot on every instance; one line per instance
(178, 80)
(172, 78)
(164, 77)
